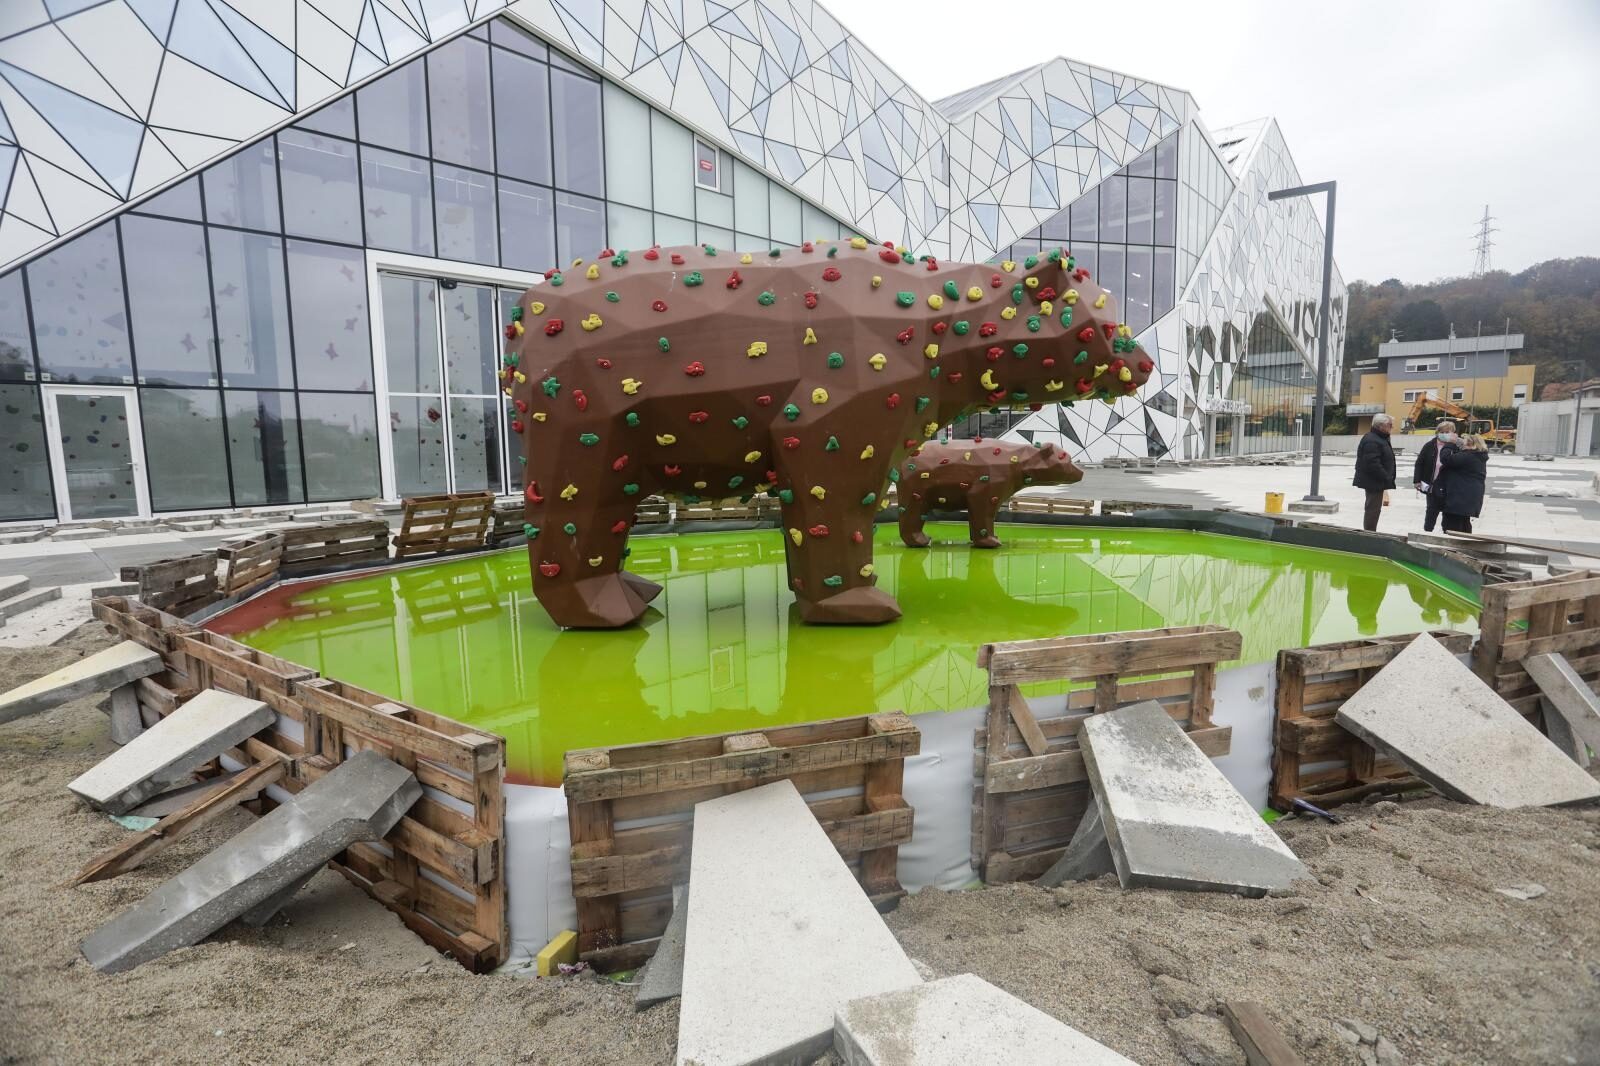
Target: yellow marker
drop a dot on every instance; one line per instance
(810, 337)
(936, 301)
(593, 272)
(751, 457)
(563, 949)
(597, 560)
(819, 492)
(1125, 374)
(699, 484)
(569, 492)
(876, 280)
(867, 453)
(665, 439)
(931, 351)
(746, 259)
(819, 395)
(539, 416)
(795, 535)
(1008, 266)
(756, 350)
(1031, 282)
(520, 377)
(877, 361)
(591, 323)
(1046, 308)
(1100, 301)
(1054, 386)
(1008, 313)
(631, 385)
(930, 429)
(537, 307)
(858, 243)
(974, 294)
(866, 571)
(988, 382)
(1071, 296)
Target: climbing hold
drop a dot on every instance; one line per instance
(672, 470)
(593, 272)
(791, 412)
(832, 445)
(763, 401)
(810, 337)
(539, 416)
(1046, 308)
(936, 301)
(1033, 323)
(555, 279)
(905, 335)
(735, 481)
(931, 351)
(786, 495)
(588, 440)
(858, 243)
(619, 463)
(866, 571)
(537, 307)
(988, 329)
(752, 457)
(693, 278)
(664, 344)
(930, 429)
(1008, 313)
(987, 381)
(952, 290)
(922, 403)
(569, 492)
(905, 299)
(1019, 350)
(795, 535)
(756, 350)
(658, 305)
(876, 280)
(652, 254)
(740, 421)
(603, 363)
(866, 501)
(554, 326)
(570, 529)
(549, 569)
(676, 258)
(1125, 374)
(551, 386)
(1086, 334)
(1070, 296)
(961, 328)
(810, 299)
(1008, 266)
(734, 280)
(530, 531)
(831, 274)
(877, 361)
(532, 493)
(666, 439)
(1100, 301)
(819, 492)
(517, 426)
(833, 581)
(818, 530)
(767, 298)
(630, 489)
(695, 369)
(892, 400)
(835, 360)
(1054, 386)
(1031, 282)
(867, 453)
(819, 395)
(580, 399)
(630, 386)
(699, 417)
(632, 418)
(791, 443)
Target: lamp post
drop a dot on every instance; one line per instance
(1330, 188)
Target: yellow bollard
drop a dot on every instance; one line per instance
(1274, 503)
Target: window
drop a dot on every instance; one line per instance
(399, 201)
(1458, 394)
(1519, 393)
(707, 168)
(252, 305)
(394, 110)
(1422, 366)
(263, 447)
(184, 455)
(170, 297)
(243, 189)
(321, 186)
(1460, 362)
(328, 301)
(16, 346)
(24, 470)
(458, 103)
(78, 314)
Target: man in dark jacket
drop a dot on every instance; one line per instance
(1375, 468)
(1426, 473)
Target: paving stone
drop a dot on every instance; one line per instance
(13, 585)
(192, 525)
(126, 721)
(780, 934)
(1315, 506)
(116, 588)
(243, 522)
(1088, 855)
(128, 661)
(1171, 818)
(164, 755)
(958, 1021)
(359, 800)
(662, 978)
(1457, 734)
(27, 601)
(1571, 707)
(71, 533)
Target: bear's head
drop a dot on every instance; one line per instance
(1049, 465)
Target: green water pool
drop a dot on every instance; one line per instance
(723, 648)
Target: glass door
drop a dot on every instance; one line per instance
(97, 461)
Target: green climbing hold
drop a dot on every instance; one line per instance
(983, 477)
(612, 297)
(630, 489)
(523, 459)
(905, 299)
(833, 251)
(512, 359)
(556, 280)
(1066, 317)
(735, 481)
(551, 386)
(775, 252)
(691, 499)
(632, 418)
(869, 499)
(1019, 397)
(740, 421)
(832, 445)
(516, 314)
(1027, 481)
(1071, 263)
(833, 581)
(835, 360)
(922, 403)
(664, 344)
(1033, 323)
(530, 530)
(960, 328)
(767, 298)
(588, 440)
(570, 528)
(791, 412)
(693, 278)
(894, 475)
(1081, 358)
(1019, 350)
(1055, 255)
(933, 372)
(709, 250)
(983, 532)
(786, 495)
(620, 259)
(1030, 262)
(951, 290)
(1016, 294)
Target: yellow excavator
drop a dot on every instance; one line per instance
(1496, 438)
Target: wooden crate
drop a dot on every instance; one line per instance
(1135, 506)
(509, 518)
(652, 511)
(328, 544)
(181, 586)
(631, 808)
(1521, 619)
(441, 869)
(1031, 788)
(250, 563)
(451, 522)
(722, 511)
(1049, 505)
(1313, 757)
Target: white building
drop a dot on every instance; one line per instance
(255, 252)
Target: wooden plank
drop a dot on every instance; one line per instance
(1261, 1041)
(1066, 767)
(1147, 651)
(333, 701)
(1360, 654)
(1022, 717)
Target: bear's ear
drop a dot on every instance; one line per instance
(1047, 450)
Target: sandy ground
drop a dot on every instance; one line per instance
(1401, 940)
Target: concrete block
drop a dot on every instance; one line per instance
(361, 799)
(27, 601)
(125, 720)
(12, 585)
(563, 949)
(243, 522)
(115, 588)
(1457, 734)
(662, 978)
(103, 670)
(1315, 506)
(1571, 707)
(191, 525)
(1088, 855)
(1171, 818)
(959, 1021)
(72, 533)
(779, 937)
(262, 912)
(165, 754)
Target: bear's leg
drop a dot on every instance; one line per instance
(912, 512)
(830, 548)
(982, 508)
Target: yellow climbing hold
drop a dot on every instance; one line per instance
(1125, 374)
(1054, 386)
(569, 492)
(699, 484)
(867, 452)
(1008, 266)
(819, 492)
(665, 439)
(877, 280)
(1100, 301)
(1008, 313)
(878, 361)
(1071, 296)
(883, 504)
(576, 263)
(988, 382)
(1014, 458)
(795, 535)
(900, 249)
(630, 386)
(974, 294)
(516, 327)
(1046, 308)
(1031, 281)
(746, 259)
(597, 560)
(539, 416)
(537, 307)
(819, 395)
(810, 337)
(930, 429)
(593, 272)
(858, 243)
(751, 457)
(936, 301)
(756, 350)
(866, 571)
(966, 456)
(931, 351)
(521, 378)
(924, 475)
(591, 323)
(1124, 331)
(1099, 368)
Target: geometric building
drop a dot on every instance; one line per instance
(256, 252)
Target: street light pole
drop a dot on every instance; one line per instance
(1330, 188)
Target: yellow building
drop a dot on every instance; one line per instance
(1470, 371)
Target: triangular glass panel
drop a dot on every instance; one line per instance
(198, 35)
(1104, 95)
(156, 15)
(109, 142)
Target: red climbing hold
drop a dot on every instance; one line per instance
(652, 255)
(1145, 366)
(888, 256)
(995, 281)
(533, 493)
(698, 417)
(603, 363)
(517, 426)
(1047, 362)
(1080, 274)
(791, 443)
(1086, 334)
(677, 260)
(672, 470)
(607, 253)
(988, 329)
(806, 247)
(511, 331)
(997, 451)
(818, 531)
(620, 462)
(933, 264)
(552, 327)
(549, 569)
(944, 462)
(856, 537)
(772, 477)
(831, 274)
(939, 328)
(993, 355)
(521, 406)
(695, 369)
(892, 400)
(657, 305)
(955, 378)
(1042, 294)
(904, 336)
(763, 401)
(1109, 329)
(580, 399)
(734, 280)
(620, 526)
(1084, 388)
(997, 396)
(811, 300)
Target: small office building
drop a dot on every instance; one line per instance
(1471, 371)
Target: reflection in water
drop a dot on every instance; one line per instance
(723, 647)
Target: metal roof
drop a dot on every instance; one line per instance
(1499, 342)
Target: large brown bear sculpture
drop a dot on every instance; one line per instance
(810, 374)
(975, 477)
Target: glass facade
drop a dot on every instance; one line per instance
(236, 304)
(1275, 381)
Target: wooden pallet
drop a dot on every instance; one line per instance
(441, 869)
(451, 522)
(1521, 619)
(509, 518)
(631, 809)
(1030, 787)
(180, 586)
(1048, 505)
(308, 548)
(725, 510)
(652, 511)
(1313, 757)
(1135, 506)
(250, 562)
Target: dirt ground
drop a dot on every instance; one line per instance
(1401, 950)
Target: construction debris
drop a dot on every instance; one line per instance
(1088, 855)
(957, 1021)
(662, 977)
(166, 754)
(780, 935)
(1171, 818)
(103, 670)
(1457, 734)
(1571, 708)
(359, 800)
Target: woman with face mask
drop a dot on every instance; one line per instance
(1464, 469)
(1425, 475)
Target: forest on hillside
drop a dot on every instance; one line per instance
(1556, 304)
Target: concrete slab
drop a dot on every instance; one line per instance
(958, 1021)
(780, 935)
(66, 534)
(1088, 855)
(103, 670)
(1572, 709)
(193, 525)
(67, 564)
(662, 978)
(164, 755)
(126, 721)
(1172, 819)
(12, 585)
(27, 601)
(115, 588)
(1457, 734)
(361, 799)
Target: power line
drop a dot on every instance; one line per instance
(1481, 265)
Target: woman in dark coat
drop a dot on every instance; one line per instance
(1463, 471)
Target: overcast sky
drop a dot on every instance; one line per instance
(1422, 111)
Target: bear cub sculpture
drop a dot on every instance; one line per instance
(976, 477)
(809, 374)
